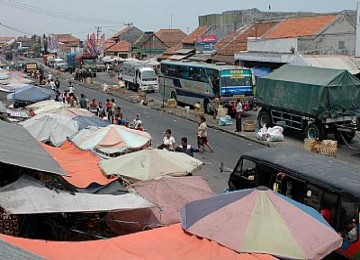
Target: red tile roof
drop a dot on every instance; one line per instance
(67, 38)
(109, 43)
(191, 38)
(121, 46)
(23, 39)
(173, 49)
(238, 41)
(170, 37)
(6, 39)
(300, 26)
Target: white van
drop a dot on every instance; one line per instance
(59, 63)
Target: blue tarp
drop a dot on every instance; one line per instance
(85, 121)
(31, 94)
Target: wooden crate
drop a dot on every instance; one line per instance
(249, 125)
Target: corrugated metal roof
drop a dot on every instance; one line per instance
(333, 62)
(18, 147)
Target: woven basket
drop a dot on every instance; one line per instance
(171, 103)
(328, 148)
(249, 125)
(312, 145)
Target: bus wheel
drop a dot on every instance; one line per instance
(314, 131)
(127, 85)
(208, 106)
(264, 119)
(173, 95)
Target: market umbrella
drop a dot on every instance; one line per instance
(51, 127)
(150, 164)
(31, 94)
(111, 140)
(261, 221)
(46, 106)
(73, 112)
(169, 193)
(85, 121)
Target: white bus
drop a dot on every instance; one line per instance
(191, 82)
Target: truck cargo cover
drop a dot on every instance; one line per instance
(310, 91)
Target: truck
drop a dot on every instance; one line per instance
(138, 76)
(30, 67)
(70, 60)
(86, 61)
(314, 100)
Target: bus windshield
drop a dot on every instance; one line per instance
(236, 82)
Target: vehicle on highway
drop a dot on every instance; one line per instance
(191, 82)
(138, 76)
(326, 184)
(30, 67)
(59, 63)
(317, 101)
(86, 61)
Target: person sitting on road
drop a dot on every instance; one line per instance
(136, 121)
(186, 148)
(168, 141)
(139, 126)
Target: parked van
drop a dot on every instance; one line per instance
(329, 185)
(59, 63)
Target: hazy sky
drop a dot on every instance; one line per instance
(80, 17)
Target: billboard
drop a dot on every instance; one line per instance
(205, 43)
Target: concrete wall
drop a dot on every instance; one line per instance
(273, 45)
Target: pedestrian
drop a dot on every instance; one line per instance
(216, 105)
(57, 84)
(70, 88)
(202, 136)
(82, 101)
(108, 105)
(93, 106)
(52, 84)
(239, 110)
(168, 141)
(186, 148)
(101, 110)
(113, 107)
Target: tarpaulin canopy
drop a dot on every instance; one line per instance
(28, 196)
(32, 94)
(46, 106)
(52, 128)
(309, 91)
(81, 166)
(169, 193)
(261, 221)
(162, 243)
(85, 121)
(112, 139)
(149, 164)
(19, 148)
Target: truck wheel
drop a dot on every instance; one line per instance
(208, 107)
(264, 119)
(341, 135)
(127, 85)
(314, 131)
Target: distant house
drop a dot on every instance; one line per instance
(24, 42)
(129, 34)
(152, 44)
(6, 41)
(311, 35)
(68, 40)
(121, 49)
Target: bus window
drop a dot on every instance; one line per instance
(313, 196)
(328, 206)
(183, 72)
(347, 220)
(194, 73)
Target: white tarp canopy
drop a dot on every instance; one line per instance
(150, 164)
(28, 196)
(51, 127)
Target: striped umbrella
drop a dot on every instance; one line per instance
(261, 221)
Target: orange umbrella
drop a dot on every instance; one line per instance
(163, 243)
(81, 166)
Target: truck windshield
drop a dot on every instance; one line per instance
(148, 76)
(89, 62)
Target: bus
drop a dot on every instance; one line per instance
(191, 82)
(329, 185)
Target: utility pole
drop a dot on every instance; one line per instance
(98, 31)
(128, 24)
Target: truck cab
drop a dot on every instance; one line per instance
(146, 79)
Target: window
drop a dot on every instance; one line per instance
(194, 73)
(341, 45)
(347, 220)
(313, 196)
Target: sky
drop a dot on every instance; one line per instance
(80, 17)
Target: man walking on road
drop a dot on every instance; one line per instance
(239, 110)
(57, 84)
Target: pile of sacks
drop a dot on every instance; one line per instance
(271, 134)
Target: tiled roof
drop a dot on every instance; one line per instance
(23, 39)
(170, 37)
(238, 41)
(67, 38)
(121, 46)
(143, 38)
(6, 39)
(121, 32)
(109, 43)
(191, 38)
(173, 49)
(300, 26)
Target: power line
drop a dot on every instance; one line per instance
(14, 29)
(53, 14)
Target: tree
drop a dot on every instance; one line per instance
(35, 44)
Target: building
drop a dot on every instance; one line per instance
(121, 49)
(153, 44)
(68, 40)
(310, 35)
(129, 34)
(5, 42)
(24, 42)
